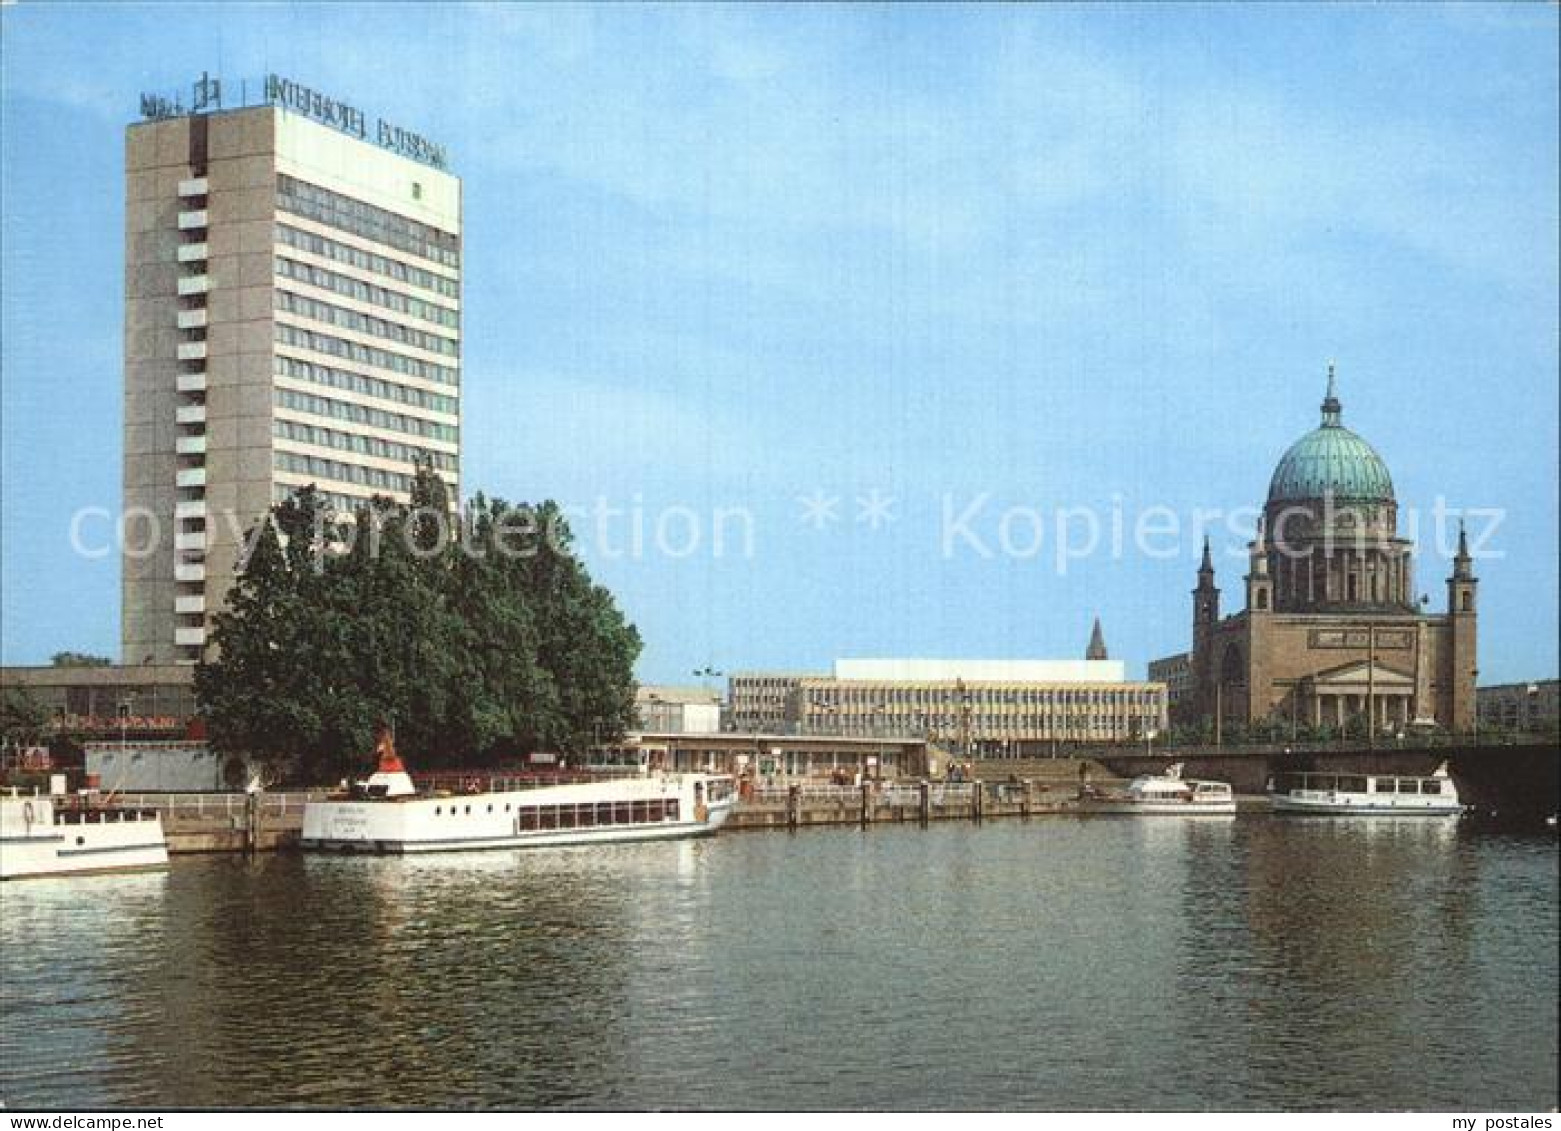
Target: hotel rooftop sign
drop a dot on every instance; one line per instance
(206, 96)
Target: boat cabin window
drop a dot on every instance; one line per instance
(622, 813)
(1408, 785)
(438, 809)
(527, 818)
(1383, 785)
(585, 816)
(672, 808)
(657, 812)
(547, 817)
(1432, 787)
(1352, 785)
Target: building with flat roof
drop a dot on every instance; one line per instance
(1533, 706)
(1176, 673)
(678, 710)
(756, 701)
(139, 701)
(983, 708)
(983, 717)
(292, 317)
(980, 671)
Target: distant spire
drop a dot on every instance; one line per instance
(1260, 549)
(1097, 644)
(1332, 409)
(1463, 565)
(1207, 565)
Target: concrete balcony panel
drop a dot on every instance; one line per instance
(190, 508)
(189, 636)
(192, 319)
(190, 540)
(192, 351)
(194, 285)
(192, 477)
(189, 571)
(193, 252)
(190, 445)
(191, 383)
(195, 604)
(194, 186)
(190, 414)
(192, 220)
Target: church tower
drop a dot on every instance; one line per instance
(1097, 644)
(1461, 673)
(1205, 617)
(1260, 586)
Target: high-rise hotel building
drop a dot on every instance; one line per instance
(292, 317)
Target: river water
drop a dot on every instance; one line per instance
(1056, 963)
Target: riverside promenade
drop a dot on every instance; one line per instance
(273, 820)
(1509, 780)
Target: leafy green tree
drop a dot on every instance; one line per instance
(79, 660)
(476, 644)
(23, 720)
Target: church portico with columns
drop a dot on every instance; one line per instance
(1333, 635)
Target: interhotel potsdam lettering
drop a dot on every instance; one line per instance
(292, 316)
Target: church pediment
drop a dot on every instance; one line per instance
(1358, 675)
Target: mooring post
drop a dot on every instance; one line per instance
(867, 802)
(923, 801)
(252, 822)
(1024, 799)
(793, 803)
(975, 800)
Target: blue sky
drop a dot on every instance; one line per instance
(1018, 259)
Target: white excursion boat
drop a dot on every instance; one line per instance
(387, 814)
(1168, 795)
(1351, 794)
(39, 837)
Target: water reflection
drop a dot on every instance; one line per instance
(1051, 963)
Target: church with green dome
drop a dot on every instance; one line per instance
(1334, 637)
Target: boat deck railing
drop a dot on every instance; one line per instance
(455, 782)
(215, 805)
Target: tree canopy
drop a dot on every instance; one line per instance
(79, 660)
(477, 641)
(23, 720)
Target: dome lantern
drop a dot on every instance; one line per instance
(1331, 462)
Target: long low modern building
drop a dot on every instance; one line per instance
(141, 700)
(984, 708)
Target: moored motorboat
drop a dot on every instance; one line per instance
(386, 812)
(1335, 794)
(1164, 795)
(41, 837)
